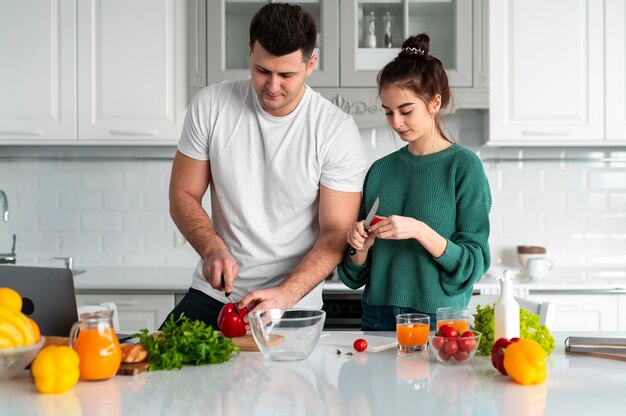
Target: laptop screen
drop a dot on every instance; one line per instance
(47, 294)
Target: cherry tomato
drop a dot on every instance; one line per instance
(461, 355)
(448, 331)
(467, 342)
(360, 345)
(375, 220)
(451, 346)
(438, 342)
(230, 322)
(444, 355)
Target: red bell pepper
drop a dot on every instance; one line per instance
(497, 353)
(230, 321)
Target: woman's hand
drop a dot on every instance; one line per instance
(396, 227)
(359, 238)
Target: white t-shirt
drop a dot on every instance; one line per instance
(266, 174)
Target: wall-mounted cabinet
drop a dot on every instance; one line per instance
(93, 72)
(356, 39)
(557, 73)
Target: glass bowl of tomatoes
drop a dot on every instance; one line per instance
(449, 346)
(286, 334)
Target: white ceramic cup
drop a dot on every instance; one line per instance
(538, 267)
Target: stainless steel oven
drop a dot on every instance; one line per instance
(343, 309)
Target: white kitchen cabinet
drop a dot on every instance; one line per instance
(557, 73)
(38, 70)
(615, 39)
(131, 70)
(93, 72)
(135, 310)
(583, 312)
(346, 72)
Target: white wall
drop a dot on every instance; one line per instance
(116, 211)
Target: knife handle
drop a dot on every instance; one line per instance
(352, 251)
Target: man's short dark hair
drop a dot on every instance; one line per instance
(283, 28)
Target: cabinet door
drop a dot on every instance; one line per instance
(136, 311)
(227, 27)
(615, 35)
(37, 74)
(132, 73)
(365, 48)
(582, 312)
(547, 72)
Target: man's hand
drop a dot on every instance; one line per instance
(220, 269)
(273, 297)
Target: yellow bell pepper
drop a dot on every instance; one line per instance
(55, 369)
(525, 362)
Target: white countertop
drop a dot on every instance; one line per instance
(369, 383)
(178, 279)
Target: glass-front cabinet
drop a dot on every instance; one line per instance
(356, 39)
(227, 39)
(372, 33)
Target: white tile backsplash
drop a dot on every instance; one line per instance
(116, 211)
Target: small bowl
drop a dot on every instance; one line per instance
(287, 334)
(14, 360)
(464, 350)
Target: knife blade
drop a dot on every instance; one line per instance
(228, 297)
(370, 216)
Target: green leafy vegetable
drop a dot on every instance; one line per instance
(529, 328)
(185, 341)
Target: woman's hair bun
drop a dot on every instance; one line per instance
(416, 45)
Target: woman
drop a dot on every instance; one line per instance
(431, 241)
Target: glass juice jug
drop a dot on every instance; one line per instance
(93, 338)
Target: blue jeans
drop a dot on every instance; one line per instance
(383, 318)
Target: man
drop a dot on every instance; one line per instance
(285, 169)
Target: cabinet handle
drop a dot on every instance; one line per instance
(134, 132)
(544, 133)
(38, 132)
(132, 302)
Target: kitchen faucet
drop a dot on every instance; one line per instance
(9, 258)
(69, 264)
(5, 205)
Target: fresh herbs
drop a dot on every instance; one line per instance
(529, 328)
(185, 341)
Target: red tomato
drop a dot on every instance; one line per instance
(448, 331)
(375, 220)
(360, 345)
(444, 355)
(451, 346)
(230, 322)
(467, 342)
(461, 355)
(438, 342)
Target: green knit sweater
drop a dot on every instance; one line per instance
(447, 190)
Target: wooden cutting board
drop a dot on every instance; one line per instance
(131, 369)
(247, 343)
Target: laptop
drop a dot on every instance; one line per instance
(48, 296)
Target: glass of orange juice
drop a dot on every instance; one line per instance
(412, 331)
(94, 339)
(456, 317)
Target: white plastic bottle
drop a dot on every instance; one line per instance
(506, 310)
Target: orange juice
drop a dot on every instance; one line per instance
(100, 353)
(461, 325)
(412, 335)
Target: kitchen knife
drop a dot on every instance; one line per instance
(228, 297)
(370, 216)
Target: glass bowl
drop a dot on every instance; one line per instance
(14, 360)
(457, 350)
(286, 334)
